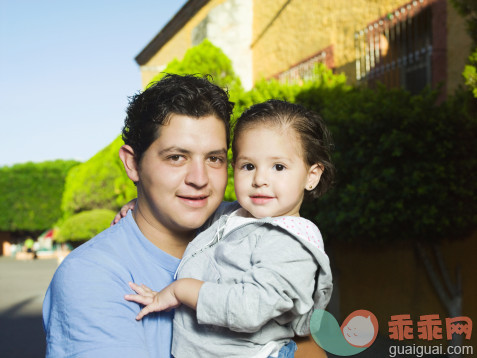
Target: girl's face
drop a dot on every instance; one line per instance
(270, 173)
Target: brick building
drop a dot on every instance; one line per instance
(400, 43)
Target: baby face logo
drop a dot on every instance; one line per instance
(360, 328)
(358, 332)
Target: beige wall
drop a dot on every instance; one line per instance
(390, 280)
(288, 31)
(175, 47)
(458, 48)
(285, 32)
(305, 27)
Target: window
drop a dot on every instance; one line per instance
(305, 69)
(400, 50)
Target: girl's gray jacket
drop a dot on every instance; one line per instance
(262, 283)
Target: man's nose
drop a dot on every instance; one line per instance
(197, 174)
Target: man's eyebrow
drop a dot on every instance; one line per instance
(180, 150)
(174, 150)
(218, 152)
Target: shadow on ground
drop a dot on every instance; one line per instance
(23, 284)
(22, 337)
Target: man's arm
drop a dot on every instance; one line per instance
(85, 315)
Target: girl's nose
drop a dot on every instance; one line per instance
(259, 179)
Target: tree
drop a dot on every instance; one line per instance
(470, 73)
(206, 59)
(99, 183)
(31, 195)
(94, 191)
(403, 161)
(85, 225)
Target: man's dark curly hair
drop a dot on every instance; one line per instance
(188, 95)
(310, 129)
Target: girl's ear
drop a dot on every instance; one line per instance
(314, 175)
(126, 153)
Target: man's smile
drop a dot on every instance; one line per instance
(196, 201)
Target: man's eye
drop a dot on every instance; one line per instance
(279, 167)
(175, 157)
(248, 166)
(215, 159)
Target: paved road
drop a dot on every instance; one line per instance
(22, 287)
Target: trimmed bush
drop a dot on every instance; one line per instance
(407, 166)
(31, 195)
(85, 225)
(99, 183)
(206, 59)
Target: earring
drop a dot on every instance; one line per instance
(310, 187)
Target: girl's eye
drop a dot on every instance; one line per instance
(248, 166)
(279, 167)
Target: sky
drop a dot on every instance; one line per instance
(66, 71)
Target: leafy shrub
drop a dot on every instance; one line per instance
(99, 183)
(406, 166)
(31, 194)
(323, 80)
(470, 73)
(85, 225)
(206, 59)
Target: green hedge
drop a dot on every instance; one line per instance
(470, 73)
(407, 166)
(31, 194)
(206, 59)
(99, 183)
(85, 225)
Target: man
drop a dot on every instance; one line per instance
(176, 137)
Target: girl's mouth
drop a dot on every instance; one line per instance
(261, 199)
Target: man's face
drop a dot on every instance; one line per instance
(183, 174)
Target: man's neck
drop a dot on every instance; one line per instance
(173, 244)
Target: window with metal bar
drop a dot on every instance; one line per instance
(396, 50)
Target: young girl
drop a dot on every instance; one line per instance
(250, 282)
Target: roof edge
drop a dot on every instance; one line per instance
(187, 11)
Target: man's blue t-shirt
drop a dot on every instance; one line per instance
(84, 312)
